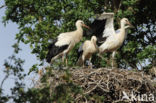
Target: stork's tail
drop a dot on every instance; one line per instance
(54, 50)
(49, 55)
(79, 56)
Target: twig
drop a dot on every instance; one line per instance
(93, 88)
(104, 80)
(2, 6)
(4, 80)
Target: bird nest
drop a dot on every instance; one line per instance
(111, 84)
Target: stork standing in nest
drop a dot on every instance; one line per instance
(88, 48)
(65, 43)
(108, 39)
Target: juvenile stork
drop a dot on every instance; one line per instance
(65, 43)
(108, 39)
(88, 48)
(126, 30)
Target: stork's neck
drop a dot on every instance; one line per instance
(79, 29)
(121, 35)
(122, 26)
(94, 43)
(79, 34)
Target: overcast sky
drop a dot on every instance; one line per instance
(7, 39)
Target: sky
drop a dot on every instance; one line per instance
(7, 39)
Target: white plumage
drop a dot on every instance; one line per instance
(126, 30)
(65, 42)
(113, 40)
(108, 39)
(89, 47)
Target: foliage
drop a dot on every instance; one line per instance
(13, 68)
(40, 21)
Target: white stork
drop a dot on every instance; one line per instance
(65, 42)
(88, 48)
(108, 39)
(126, 30)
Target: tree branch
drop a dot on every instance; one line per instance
(4, 80)
(2, 6)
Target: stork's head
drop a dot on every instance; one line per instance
(125, 21)
(94, 38)
(81, 23)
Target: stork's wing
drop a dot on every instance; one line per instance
(54, 50)
(109, 27)
(102, 27)
(64, 39)
(97, 28)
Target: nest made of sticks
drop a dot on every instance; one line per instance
(109, 83)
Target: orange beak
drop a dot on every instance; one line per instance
(130, 24)
(85, 26)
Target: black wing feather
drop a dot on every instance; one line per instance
(97, 28)
(54, 50)
(80, 51)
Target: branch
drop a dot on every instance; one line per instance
(117, 5)
(2, 6)
(4, 80)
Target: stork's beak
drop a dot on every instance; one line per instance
(85, 26)
(130, 25)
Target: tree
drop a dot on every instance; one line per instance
(42, 20)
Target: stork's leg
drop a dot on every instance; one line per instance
(100, 55)
(90, 59)
(57, 56)
(63, 56)
(66, 61)
(113, 55)
(83, 59)
(90, 64)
